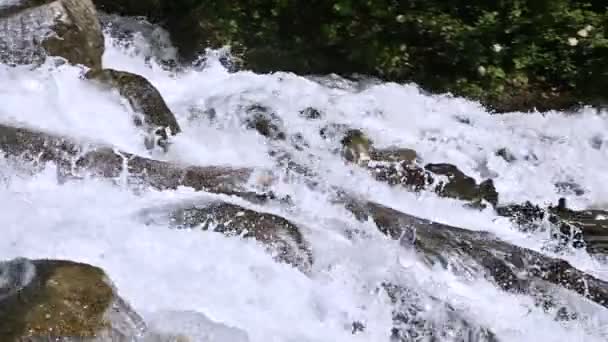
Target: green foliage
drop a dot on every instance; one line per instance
(510, 54)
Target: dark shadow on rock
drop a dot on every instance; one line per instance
(511, 267)
(282, 237)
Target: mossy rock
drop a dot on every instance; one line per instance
(400, 166)
(54, 299)
(64, 28)
(356, 147)
(145, 99)
(394, 154)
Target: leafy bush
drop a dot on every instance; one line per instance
(510, 54)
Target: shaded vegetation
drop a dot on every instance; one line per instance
(510, 54)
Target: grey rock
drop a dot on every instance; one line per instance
(32, 30)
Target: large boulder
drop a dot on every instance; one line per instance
(44, 300)
(146, 101)
(282, 237)
(31, 30)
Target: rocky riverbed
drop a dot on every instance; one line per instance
(149, 201)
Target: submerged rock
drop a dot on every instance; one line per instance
(506, 155)
(265, 122)
(48, 300)
(146, 101)
(429, 319)
(32, 30)
(310, 113)
(510, 267)
(282, 237)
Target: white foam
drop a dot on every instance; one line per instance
(235, 282)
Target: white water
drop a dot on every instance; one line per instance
(235, 282)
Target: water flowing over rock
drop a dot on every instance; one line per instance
(145, 100)
(512, 268)
(72, 158)
(400, 166)
(53, 299)
(577, 228)
(416, 319)
(31, 30)
(282, 237)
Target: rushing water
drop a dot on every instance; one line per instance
(162, 272)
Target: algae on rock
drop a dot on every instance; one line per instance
(64, 299)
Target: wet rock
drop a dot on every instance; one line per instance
(356, 147)
(421, 319)
(527, 216)
(569, 188)
(32, 30)
(506, 155)
(404, 174)
(400, 166)
(74, 159)
(584, 228)
(310, 113)
(579, 229)
(510, 267)
(265, 122)
(597, 142)
(357, 327)
(282, 237)
(145, 100)
(394, 155)
(463, 120)
(299, 142)
(333, 131)
(461, 186)
(49, 300)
